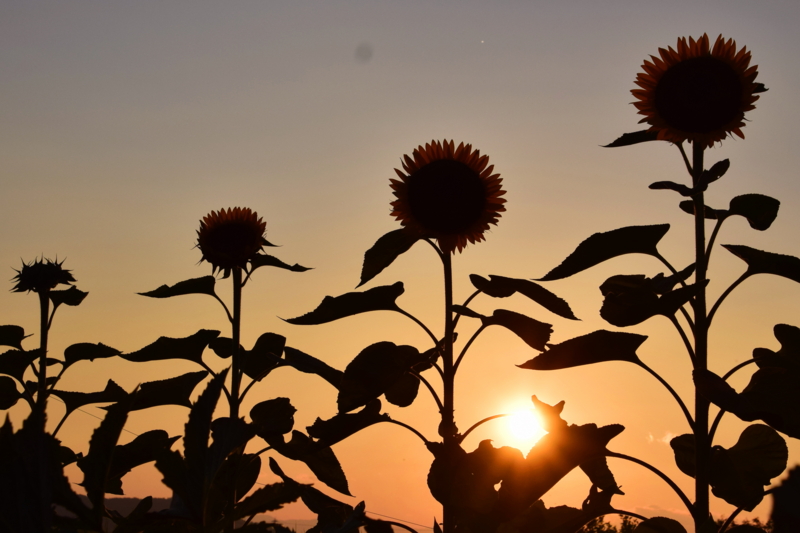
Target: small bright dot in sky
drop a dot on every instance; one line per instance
(481, 42)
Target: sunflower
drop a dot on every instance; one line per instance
(448, 194)
(41, 275)
(697, 93)
(229, 239)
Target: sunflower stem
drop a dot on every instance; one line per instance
(44, 308)
(447, 428)
(701, 433)
(236, 374)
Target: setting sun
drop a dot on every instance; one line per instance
(524, 429)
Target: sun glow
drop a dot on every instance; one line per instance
(524, 429)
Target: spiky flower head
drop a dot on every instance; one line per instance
(41, 275)
(230, 238)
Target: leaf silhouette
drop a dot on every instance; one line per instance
(12, 336)
(141, 450)
(632, 299)
(14, 362)
(501, 287)
(738, 475)
(344, 425)
(273, 417)
(603, 246)
(267, 498)
(172, 391)
(333, 308)
(311, 365)
(9, 395)
(534, 333)
(374, 371)
(189, 348)
(687, 206)
(759, 210)
(74, 400)
(760, 262)
(204, 285)
(404, 391)
(264, 357)
(384, 252)
(594, 347)
(71, 297)
(636, 137)
(85, 351)
(714, 173)
(267, 260)
(319, 458)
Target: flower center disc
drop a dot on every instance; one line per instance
(699, 95)
(234, 241)
(446, 196)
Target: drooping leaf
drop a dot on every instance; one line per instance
(632, 299)
(261, 260)
(681, 189)
(659, 524)
(374, 371)
(223, 347)
(273, 417)
(738, 475)
(141, 450)
(636, 137)
(759, 210)
(534, 333)
(85, 351)
(12, 336)
(9, 395)
(594, 347)
(385, 251)
(343, 425)
(603, 246)
(333, 308)
(14, 362)
(760, 262)
(466, 311)
(264, 357)
(501, 287)
(714, 173)
(404, 391)
(190, 348)
(204, 285)
(319, 458)
(71, 297)
(172, 391)
(96, 464)
(74, 400)
(311, 365)
(224, 468)
(687, 206)
(267, 498)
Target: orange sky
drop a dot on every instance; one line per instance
(122, 124)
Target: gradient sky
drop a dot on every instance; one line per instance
(123, 123)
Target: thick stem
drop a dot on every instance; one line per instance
(701, 405)
(236, 325)
(44, 308)
(447, 427)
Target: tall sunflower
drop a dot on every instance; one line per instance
(230, 238)
(448, 194)
(697, 93)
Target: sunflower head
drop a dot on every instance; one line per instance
(447, 193)
(697, 93)
(230, 238)
(41, 275)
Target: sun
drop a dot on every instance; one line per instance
(523, 429)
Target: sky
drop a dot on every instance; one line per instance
(124, 123)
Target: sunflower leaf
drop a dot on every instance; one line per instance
(596, 347)
(687, 206)
(404, 391)
(14, 362)
(73, 400)
(172, 391)
(603, 246)
(384, 252)
(261, 260)
(636, 137)
(141, 450)
(71, 296)
(344, 425)
(85, 351)
(264, 357)
(273, 417)
(502, 287)
(190, 348)
(681, 189)
(714, 173)
(534, 333)
(759, 210)
(319, 458)
(311, 365)
(9, 395)
(760, 262)
(12, 336)
(204, 285)
(352, 303)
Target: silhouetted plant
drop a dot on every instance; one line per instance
(698, 94)
(447, 197)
